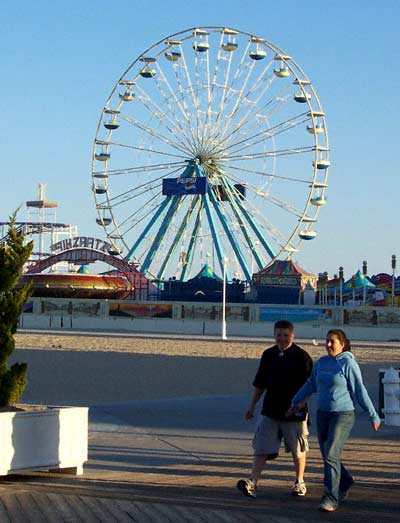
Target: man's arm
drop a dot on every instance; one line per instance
(257, 393)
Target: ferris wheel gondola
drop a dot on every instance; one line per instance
(213, 144)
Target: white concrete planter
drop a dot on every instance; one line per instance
(52, 439)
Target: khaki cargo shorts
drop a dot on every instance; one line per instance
(270, 433)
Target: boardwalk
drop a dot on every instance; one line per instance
(173, 466)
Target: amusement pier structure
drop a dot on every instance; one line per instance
(212, 146)
(58, 266)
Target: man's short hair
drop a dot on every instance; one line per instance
(284, 324)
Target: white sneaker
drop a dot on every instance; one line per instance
(248, 487)
(299, 489)
(327, 506)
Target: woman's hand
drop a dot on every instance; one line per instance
(376, 425)
(295, 408)
(249, 414)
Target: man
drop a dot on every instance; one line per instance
(283, 370)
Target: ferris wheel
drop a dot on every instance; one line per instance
(212, 148)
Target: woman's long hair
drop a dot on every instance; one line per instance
(341, 335)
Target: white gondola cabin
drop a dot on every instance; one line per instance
(318, 201)
(307, 235)
(173, 54)
(127, 96)
(147, 72)
(201, 45)
(322, 164)
(258, 53)
(315, 129)
(301, 98)
(103, 221)
(102, 157)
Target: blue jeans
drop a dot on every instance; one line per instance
(333, 431)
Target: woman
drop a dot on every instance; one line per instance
(337, 380)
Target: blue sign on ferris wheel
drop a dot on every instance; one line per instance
(182, 186)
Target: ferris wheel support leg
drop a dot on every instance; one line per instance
(174, 202)
(192, 245)
(177, 239)
(231, 238)
(217, 243)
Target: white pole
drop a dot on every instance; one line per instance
(224, 261)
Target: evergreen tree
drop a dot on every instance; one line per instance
(13, 255)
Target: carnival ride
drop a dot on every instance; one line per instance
(212, 146)
(55, 268)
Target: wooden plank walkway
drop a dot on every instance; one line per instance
(38, 507)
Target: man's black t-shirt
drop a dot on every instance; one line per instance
(281, 374)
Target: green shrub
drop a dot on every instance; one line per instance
(13, 255)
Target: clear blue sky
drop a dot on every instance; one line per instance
(60, 60)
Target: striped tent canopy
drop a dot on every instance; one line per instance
(206, 272)
(284, 273)
(358, 281)
(284, 268)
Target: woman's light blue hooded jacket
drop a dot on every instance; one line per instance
(339, 384)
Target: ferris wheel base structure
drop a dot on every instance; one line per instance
(212, 148)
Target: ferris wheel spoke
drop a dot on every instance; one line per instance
(264, 135)
(252, 105)
(141, 169)
(272, 199)
(186, 95)
(269, 154)
(137, 218)
(239, 96)
(171, 125)
(224, 91)
(255, 113)
(249, 217)
(187, 131)
(255, 106)
(269, 132)
(260, 223)
(153, 133)
(147, 150)
(267, 174)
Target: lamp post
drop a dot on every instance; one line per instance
(393, 271)
(256, 244)
(224, 262)
(341, 286)
(364, 271)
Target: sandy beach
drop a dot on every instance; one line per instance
(90, 369)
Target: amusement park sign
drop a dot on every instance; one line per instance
(79, 242)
